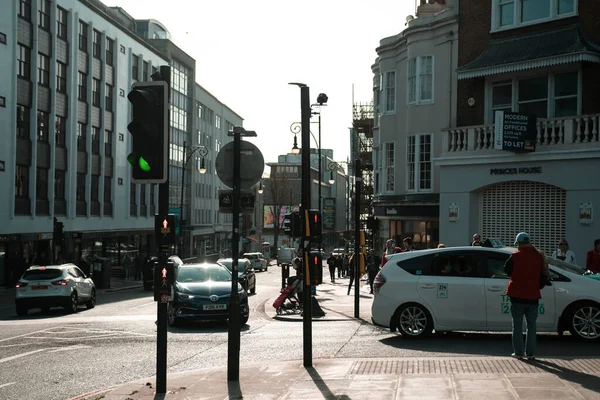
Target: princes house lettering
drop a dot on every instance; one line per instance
(516, 171)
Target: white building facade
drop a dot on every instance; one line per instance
(415, 98)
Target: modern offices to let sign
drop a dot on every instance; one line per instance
(514, 132)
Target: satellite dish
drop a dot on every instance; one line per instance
(409, 18)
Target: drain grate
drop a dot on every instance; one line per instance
(474, 366)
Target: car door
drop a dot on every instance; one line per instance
(455, 294)
(498, 303)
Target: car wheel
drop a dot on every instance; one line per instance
(584, 321)
(253, 290)
(413, 321)
(73, 303)
(171, 318)
(92, 302)
(21, 310)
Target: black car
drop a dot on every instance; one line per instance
(148, 270)
(202, 292)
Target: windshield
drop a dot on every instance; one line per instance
(227, 264)
(203, 274)
(565, 266)
(42, 274)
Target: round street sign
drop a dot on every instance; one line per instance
(252, 164)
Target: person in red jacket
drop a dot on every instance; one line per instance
(592, 261)
(527, 276)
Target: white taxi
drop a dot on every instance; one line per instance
(463, 289)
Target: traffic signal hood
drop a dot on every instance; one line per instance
(314, 227)
(316, 268)
(150, 132)
(164, 277)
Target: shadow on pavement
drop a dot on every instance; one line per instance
(489, 344)
(320, 384)
(590, 382)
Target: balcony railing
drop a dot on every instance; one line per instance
(551, 133)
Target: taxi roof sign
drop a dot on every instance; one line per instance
(496, 243)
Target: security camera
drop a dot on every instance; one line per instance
(322, 99)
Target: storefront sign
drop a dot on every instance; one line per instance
(391, 211)
(453, 212)
(514, 131)
(9, 238)
(329, 213)
(586, 213)
(516, 171)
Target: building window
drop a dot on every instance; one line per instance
(108, 98)
(83, 35)
(143, 195)
(146, 67)
(420, 80)
(96, 40)
(107, 189)
(514, 13)
(22, 181)
(390, 91)
(23, 121)
(200, 111)
(81, 139)
(80, 187)
(547, 96)
(2, 38)
(110, 48)
(95, 92)
(108, 140)
(95, 140)
(419, 163)
(389, 166)
(43, 129)
(44, 15)
(59, 184)
(135, 61)
(60, 131)
(24, 62)
(25, 9)
(62, 23)
(132, 188)
(95, 182)
(218, 121)
(81, 86)
(43, 69)
(41, 184)
(61, 77)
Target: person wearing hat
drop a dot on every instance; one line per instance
(527, 272)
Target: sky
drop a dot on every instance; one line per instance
(247, 52)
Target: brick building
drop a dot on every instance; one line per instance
(539, 57)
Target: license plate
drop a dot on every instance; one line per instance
(214, 307)
(40, 287)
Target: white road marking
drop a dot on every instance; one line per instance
(23, 335)
(7, 384)
(143, 305)
(2, 360)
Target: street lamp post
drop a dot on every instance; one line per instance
(203, 151)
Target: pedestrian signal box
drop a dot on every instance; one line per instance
(316, 268)
(163, 279)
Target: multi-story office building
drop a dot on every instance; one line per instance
(209, 230)
(541, 58)
(67, 66)
(415, 98)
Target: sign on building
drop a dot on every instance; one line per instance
(329, 213)
(514, 131)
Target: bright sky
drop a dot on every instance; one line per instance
(247, 52)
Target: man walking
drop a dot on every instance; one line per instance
(351, 270)
(527, 276)
(331, 265)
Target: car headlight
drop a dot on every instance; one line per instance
(183, 295)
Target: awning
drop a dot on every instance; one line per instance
(537, 50)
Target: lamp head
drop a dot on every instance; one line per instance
(202, 168)
(322, 99)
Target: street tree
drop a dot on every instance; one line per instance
(282, 195)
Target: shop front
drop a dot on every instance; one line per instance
(550, 199)
(420, 222)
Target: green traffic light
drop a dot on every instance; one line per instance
(144, 165)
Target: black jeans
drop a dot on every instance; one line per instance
(332, 273)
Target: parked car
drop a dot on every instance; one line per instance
(246, 275)
(338, 252)
(54, 286)
(463, 289)
(285, 255)
(202, 292)
(148, 270)
(257, 260)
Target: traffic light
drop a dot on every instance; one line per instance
(287, 224)
(316, 268)
(292, 224)
(163, 279)
(150, 130)
(314, 228)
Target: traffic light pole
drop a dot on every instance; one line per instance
(163, 209)
(233, 334)
(357, 255)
